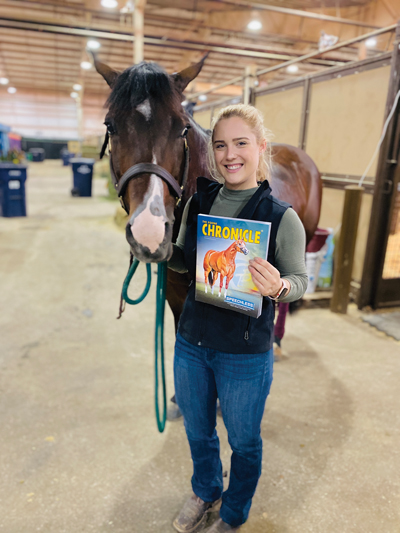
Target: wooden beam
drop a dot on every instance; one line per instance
(138, 31)
(344, 257)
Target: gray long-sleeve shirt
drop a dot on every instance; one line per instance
(290, 240)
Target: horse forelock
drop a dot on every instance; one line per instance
(145, 81)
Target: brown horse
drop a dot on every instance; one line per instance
(222, 263)
(146, 123)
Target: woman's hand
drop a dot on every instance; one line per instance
(265, 277)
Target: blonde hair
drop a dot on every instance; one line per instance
(255, 121)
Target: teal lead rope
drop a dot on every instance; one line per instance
(159, 329)
(159, 344)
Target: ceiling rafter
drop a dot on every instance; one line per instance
(175, 36)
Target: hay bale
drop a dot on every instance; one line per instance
(120, 218)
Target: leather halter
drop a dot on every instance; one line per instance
(148, 168)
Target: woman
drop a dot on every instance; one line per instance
(223, 354)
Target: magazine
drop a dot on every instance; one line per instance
(224, 248)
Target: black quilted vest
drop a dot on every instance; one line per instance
(226, 330)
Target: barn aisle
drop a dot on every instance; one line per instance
(79, 444)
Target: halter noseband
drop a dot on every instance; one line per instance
(147, 168)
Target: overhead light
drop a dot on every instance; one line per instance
(3, 81)
(86, 65)
(254, 25)
(77, 87)
(109, 3)
(12, 90)
(326, 41)
(74, 95)
(371, 42)
(292, 69)
(203, 98)
(93, 45)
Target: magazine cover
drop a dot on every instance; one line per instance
(224, 248)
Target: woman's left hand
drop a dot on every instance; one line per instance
(265, 277)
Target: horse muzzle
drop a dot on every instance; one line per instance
(151, 243)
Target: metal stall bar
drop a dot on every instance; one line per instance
(334, 47)
(297, 60)
(155, 41)
(298, 13)
(374, 290)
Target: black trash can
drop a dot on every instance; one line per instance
(37, 154)
(82, 169)
(12, 190)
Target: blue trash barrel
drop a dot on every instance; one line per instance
(82, 169)
(37, 154)
(12, 190)
(66, 158)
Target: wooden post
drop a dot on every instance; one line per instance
(250, 77)
(138, 30)
(80, 118)
(345, 249)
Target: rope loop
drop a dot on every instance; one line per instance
(127, 281)
(159, 367)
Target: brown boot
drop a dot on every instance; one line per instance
(219, 526)
(194, 513)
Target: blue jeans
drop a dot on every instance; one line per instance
(242, 383)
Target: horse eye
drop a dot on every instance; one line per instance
(110, 128)
(185, 131)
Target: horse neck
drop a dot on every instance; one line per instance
(231, 251)
(197, 141)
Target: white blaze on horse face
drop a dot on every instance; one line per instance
(148, 226)
(145, 109)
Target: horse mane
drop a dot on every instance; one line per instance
(143, 81)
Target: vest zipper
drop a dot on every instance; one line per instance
(246, 333)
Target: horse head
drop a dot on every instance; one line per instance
(147, 127)
(240, 246)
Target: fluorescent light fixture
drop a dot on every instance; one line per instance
(371, 42)
(86, 65)
(3, 81)
(254, 25)
(74, 95)
(203, 98)
(93, 45)
(109, 3)
(12, 90)
(292, 69)
(77, 87)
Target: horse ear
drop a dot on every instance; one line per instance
(107, 72)
(185, 76)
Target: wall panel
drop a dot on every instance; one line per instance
(40, 115)
(345, 121)
(282, 114)
(203, 118)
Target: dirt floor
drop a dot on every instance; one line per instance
(79, 446)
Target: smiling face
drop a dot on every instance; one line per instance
(237, 153)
